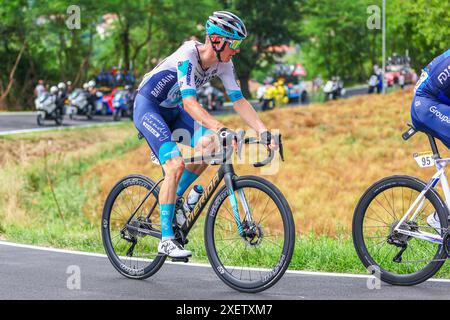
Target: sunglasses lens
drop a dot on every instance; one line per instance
(235, 44)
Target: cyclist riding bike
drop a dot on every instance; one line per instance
(166, 104)
(430, 109)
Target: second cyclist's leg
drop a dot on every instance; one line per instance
(430, 115)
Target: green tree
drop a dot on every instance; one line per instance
(269, 24)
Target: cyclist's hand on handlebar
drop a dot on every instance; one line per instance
(227, 137)
(268, 140)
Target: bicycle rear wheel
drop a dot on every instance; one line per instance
(257, 260)
(131, 227)
(377, 214)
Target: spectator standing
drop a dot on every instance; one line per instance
(40, 89)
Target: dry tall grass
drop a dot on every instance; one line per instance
(19, 153)
(333, 153)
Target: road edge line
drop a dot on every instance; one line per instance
(99, 255)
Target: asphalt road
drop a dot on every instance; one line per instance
(17, 122)
(28, 272)
(21, 122)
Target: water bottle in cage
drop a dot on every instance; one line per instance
(194, 196)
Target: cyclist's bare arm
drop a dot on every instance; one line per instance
(200, 115)
(250, 116)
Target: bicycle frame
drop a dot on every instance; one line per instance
(225, 172)
(438, 176)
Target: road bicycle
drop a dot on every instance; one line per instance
(249, 238)
(391, 233)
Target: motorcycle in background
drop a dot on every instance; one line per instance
(275, 96)
(373, 83)
(47, 108)
(334, 89)
(79, 104)
(122, 103)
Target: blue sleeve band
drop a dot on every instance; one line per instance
(235, 95)
(168, 151)
(188, 93)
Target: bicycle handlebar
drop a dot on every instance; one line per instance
(271, 153)
(222, 156)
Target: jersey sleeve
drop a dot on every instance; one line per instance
(185, 74)
(228, 77)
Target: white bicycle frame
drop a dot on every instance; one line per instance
(419, 202)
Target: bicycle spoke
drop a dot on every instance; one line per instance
(382, 245)
(245, 258)
(128, 200)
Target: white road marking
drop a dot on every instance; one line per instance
(72, 127)
(190, 264)
(19, 113)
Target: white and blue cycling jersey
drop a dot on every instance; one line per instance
(158, 110)
(181, 75)
(435, 79)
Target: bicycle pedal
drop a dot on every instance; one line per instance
(185, 260)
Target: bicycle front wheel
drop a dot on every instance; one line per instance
(397, 258)
(257, 258)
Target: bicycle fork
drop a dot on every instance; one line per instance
(235, 206)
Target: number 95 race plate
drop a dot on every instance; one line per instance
(424, 159)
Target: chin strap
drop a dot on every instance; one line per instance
(218, 51)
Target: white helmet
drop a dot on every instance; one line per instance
(69, 83)
(54, 90)
(91, 83)
(85, 86)
(62, 86)
(226, 24)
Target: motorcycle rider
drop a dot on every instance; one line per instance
(166, 101)
(430, 109)
(92, 95)
(61, 96)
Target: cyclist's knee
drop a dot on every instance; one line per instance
(174, 168)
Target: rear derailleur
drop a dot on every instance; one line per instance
(401, 240)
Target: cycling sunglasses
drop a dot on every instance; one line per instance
(234, 44)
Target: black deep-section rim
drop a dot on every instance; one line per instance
(288, 227)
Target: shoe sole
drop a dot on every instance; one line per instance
(175, 257)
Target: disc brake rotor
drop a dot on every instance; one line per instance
(253, 233)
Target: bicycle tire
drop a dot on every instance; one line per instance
(152, 268)
(358, 238)
(288, 242)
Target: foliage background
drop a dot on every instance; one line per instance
(332, 37)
